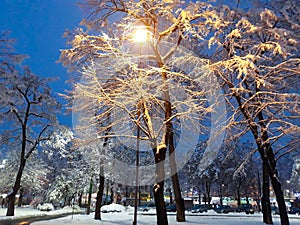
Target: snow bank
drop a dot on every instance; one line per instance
(28, 211)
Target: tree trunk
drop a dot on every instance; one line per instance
(88, 208)
(112, 199)
(70, 199)
(20, 197)
(161, 211)
(205, 198)
(158, 188)
(269, 162)
(101, 175)
(12, 196)
(280, 201)
(11, 205)
(247, 200)
(80, 199)
(180, 209)
(199, 192)
(259, 191)
(99, 195)
(207, 188)
(106, 192)
(238, 197)
(265, 200)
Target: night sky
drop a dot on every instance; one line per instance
(38, 27)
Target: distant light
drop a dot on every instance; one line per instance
(140, 35)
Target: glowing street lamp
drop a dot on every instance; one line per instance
(140, 35)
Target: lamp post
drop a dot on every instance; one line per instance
(140, 37)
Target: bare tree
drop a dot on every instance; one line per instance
(9, 58)
(29, 109)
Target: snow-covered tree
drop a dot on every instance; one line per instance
(9, 58)
(240, 171)
(56, 150)
(202, 181)
(257, 61)
(70, 172)
(294, 183)
(141, 79)
(28, 113)
(34, 178)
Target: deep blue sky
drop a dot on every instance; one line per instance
(38, 27)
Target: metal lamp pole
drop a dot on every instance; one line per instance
(140, 37)
(137, 168)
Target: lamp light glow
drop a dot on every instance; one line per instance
(140, 35)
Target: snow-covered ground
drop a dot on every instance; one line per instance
(25, 212)
(125, 217)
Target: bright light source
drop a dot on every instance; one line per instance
(140, 35)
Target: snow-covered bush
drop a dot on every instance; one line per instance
(74, 208)
(112, 208)
(45, 207)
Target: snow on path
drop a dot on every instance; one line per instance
(126, 219)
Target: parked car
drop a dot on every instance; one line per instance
(224, 209)
(146, 207)
(45, 207)
(294, 210)
(274, 210)
(171, 208)
(247, 208)
(199, 208)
